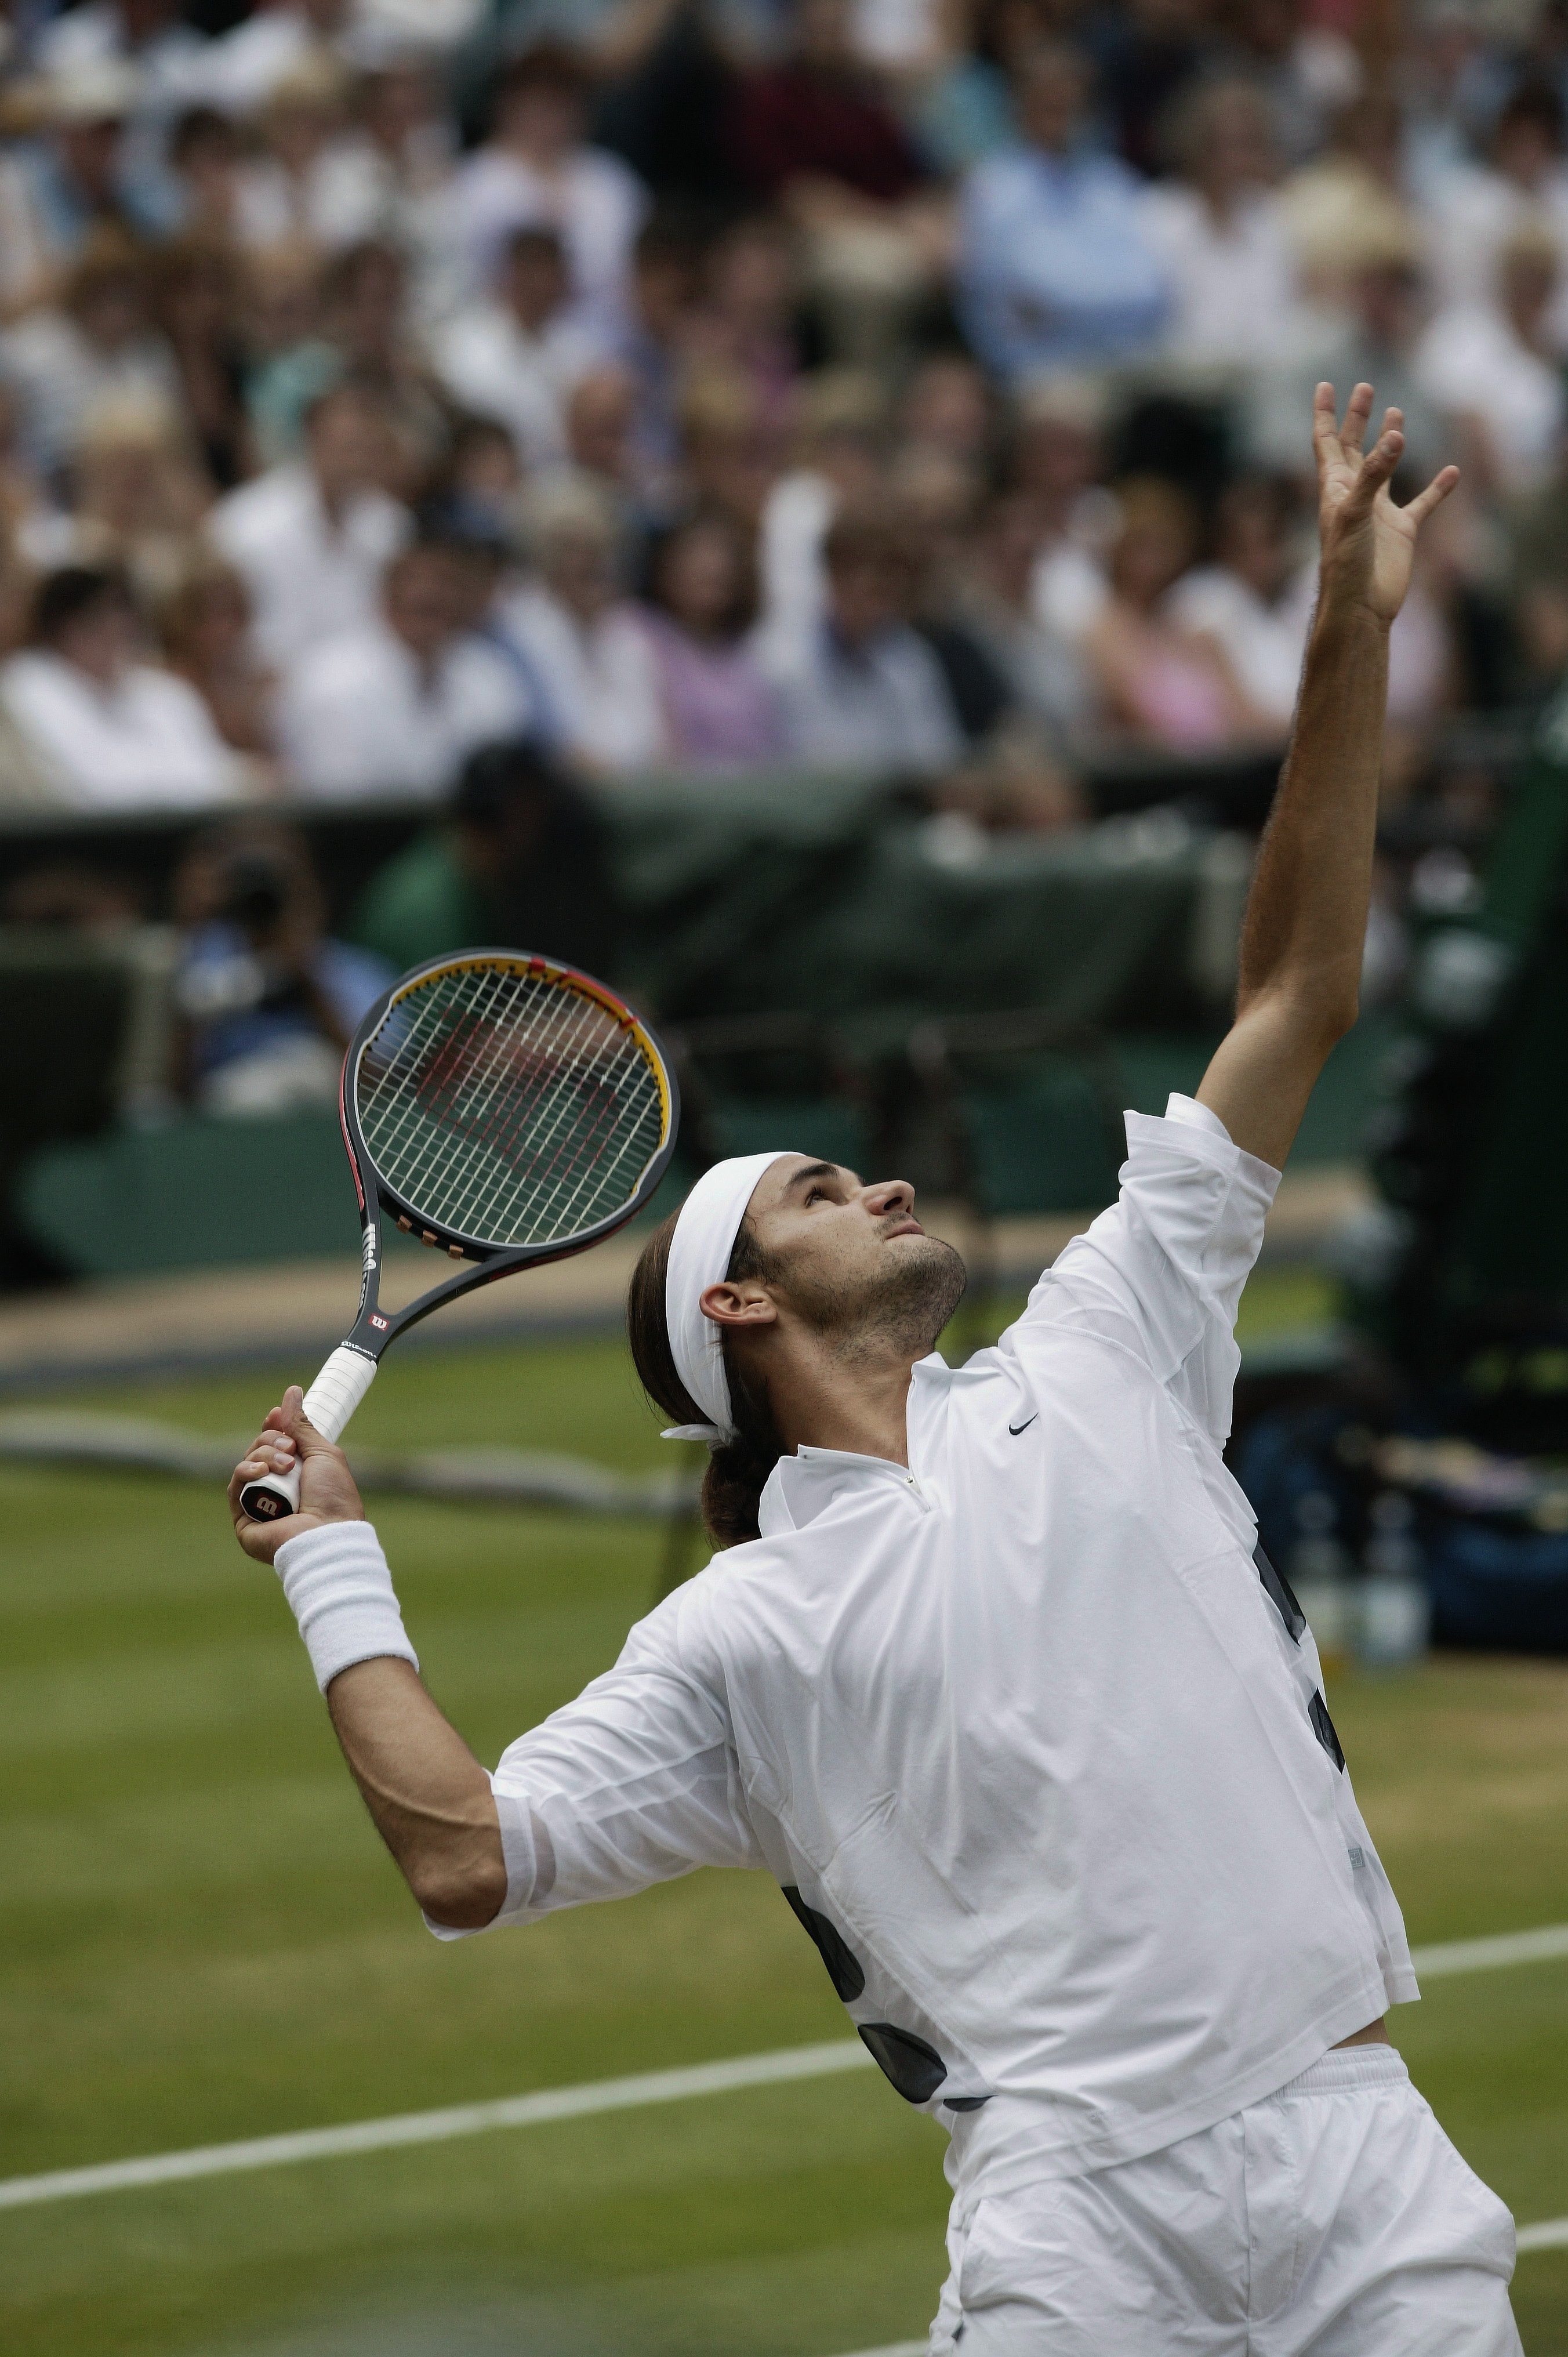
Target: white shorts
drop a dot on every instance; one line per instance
(1332, 2219)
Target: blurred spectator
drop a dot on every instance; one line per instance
(1148, 52)
(99, 342)
(481, 478)
(393, 705)
(842, 446)
(861, 690)
(245, 65)
(746, 322)
(651, 343)
(1357, 192)
(601, 413)
(1158, 683)
(1306, 65)
(268, 1001)
(205, 622)
(937, 497)
(197, 307)
(203, 165)
(813, 129)
(64, 188)
(580, 632)
(1059, 462)
(304, 181)
(731, 457)
(1494, 365)
(718, 709)
(947, 408)
(1254, 601)
(138, 492)
(118, 733)
(535, 172)
(523, 862)
(813, 134)
(288, 360)
(1216, 226)
(515, 357)
(1055, 267)
(1478, 206)
(310, 538)
(1043, 669)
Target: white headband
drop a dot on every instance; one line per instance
(699, 1252)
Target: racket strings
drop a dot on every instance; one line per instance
(490, 1109)
(512, 1107)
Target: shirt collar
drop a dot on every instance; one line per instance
(802, 1487)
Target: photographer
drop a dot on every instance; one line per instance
(266, 1000)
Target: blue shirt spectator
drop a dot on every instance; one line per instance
(1054, 269)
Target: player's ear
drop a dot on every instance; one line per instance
(741, 1302)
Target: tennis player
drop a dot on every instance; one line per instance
(992, 1674)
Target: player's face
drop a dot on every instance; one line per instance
(843, 1256)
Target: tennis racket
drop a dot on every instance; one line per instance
(505, 1110)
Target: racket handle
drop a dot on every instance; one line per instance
(328, 1403)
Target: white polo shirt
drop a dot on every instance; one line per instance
(1036, 1749)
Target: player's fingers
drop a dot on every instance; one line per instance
(1358, 410)
(1377, 470)
(1436, 491)
(1325, 425)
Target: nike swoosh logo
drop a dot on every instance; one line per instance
(1016, 1429)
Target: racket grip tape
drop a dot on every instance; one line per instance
(329, 1405)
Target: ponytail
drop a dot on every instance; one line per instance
(738, 1468)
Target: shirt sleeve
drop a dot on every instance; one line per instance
(1162, 1271)
(633, 1783)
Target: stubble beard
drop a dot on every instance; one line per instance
(917, 1286)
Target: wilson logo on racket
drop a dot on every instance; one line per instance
(506, 1109)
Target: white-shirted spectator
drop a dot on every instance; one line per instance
(98, 346)
(863, 690)
(1216, 225)
(1494, 364)
(535, 171)
(116, 732)
(1059, 436)
(1477, 209)
(308, 179)
(1247, 602)
(515, 357)
(396, 705)
(311, 538)
(841, 452)
(577, 628)
(245, 66)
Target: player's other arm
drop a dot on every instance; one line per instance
(1307, 914)
(431, 1799)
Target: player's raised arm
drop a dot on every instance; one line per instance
(431, 1799)
(1306, 915)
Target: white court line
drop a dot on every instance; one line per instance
(1479, 1955)
(617, 2096)
(437, 2128)
(1552, 2235)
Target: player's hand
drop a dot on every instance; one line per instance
(327, 1488)
(1369, 545)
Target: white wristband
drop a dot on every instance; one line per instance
(341, 1592)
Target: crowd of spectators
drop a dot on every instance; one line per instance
(906, 385)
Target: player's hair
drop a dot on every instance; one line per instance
(733, 1485)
